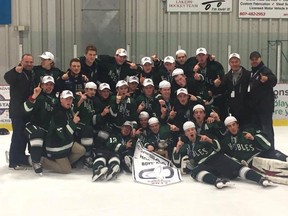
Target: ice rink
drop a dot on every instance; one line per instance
(24, 193)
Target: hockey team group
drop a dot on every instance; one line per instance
(212, 125)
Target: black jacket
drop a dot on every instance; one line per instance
(261, 95)
(21, 87)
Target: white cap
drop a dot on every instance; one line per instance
(182, 90)
(198, 106)
(177, 71)
(144, 114)
(164, 84)
(47, 79)
(121, 52)
(153, 120)
(181, 51)
(229, 120)
(66, 94)
(103, 86)
(145, 60)
(47, 55)
(90, 85)
(234, 55)
(121, 83)
(201, 50)
(188, 124)
(148, 82)
(133, 79)
(128, 123)
(169, 59)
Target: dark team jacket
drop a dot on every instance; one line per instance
(86, 110)
(243, 149)
(40, 72)
(261, 95)
(74, 83)
(126, 110)
(210, 73)
(236, 94)
(199, 151)
(60, 136)
(117, 143)
(151, 104)
(188, 66)
(92, 72)
(154, 139)
(42, 109)
(21, 87)
(112, 72)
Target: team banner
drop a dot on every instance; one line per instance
(153, 169)
(199, 6)
(263, 9)
(4, 107)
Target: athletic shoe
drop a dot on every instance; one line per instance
(17, 167)
(112, 172)
(99, 173)
(88, 162)
(221, 183)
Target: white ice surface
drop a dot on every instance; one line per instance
(24, 193)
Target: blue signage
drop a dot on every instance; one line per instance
(5, 12)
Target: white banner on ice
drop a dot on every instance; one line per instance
(153, 169)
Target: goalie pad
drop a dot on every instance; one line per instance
(271, 167)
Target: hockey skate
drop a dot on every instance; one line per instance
(113, 172)
(221, 183)
(99, 173)
(265, 182)
(128, 162)
(37, 168)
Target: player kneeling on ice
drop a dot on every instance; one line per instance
(251, 148)
(40, 106)
(61, 150)
(119, 147)
(210, 165)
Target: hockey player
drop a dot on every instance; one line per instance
(61, 149)
(246, 144)
(147, 101)
(40, 106)
(211, 126)
(134, 90)
(108, 158)
(85, 105)
(209, 164)
(122, 107)
(142, 130)
(159, 138)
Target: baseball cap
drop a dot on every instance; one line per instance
(177, 71)
(47, 55)
(164, 84)
(169, 59)
(143, 114)
(47, 79)
(133, 79)
(90, 85)
(188, 124)
(255, 54)
(128, 123)
(66, 94)
(103, 86)
(181, 51)
(182, 90)
(147, 82)
(145, 60)
(229, 120)
(121, 52)
(201, 50)
(121, 83)
(234, 55)
(153, 120)
(198, 106)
